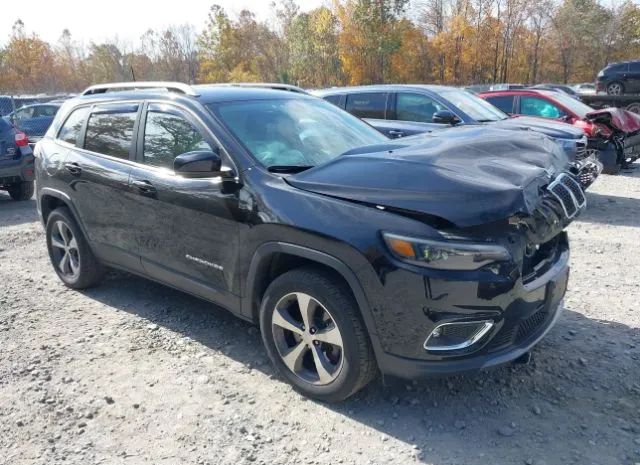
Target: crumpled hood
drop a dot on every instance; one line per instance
(470, 176)
(554, 129)
(622, 120)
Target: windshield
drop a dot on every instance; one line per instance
(302, 132)
(574, 106)
(478, 109)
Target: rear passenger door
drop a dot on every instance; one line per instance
(97, 170)
(186, 230)
(371, 107)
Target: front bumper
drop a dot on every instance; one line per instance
(522, 315)
(16, 170)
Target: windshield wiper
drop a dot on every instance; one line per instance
(288, 168)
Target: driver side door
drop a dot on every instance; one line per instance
(186, 229)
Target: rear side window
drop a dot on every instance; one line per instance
(503, 102)
(371, 105)
(110, 133)
(416, 107)
(335, 99)
(72, 127)
(166, 136)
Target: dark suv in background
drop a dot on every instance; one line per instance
(16, 162)
(619, 78)
(353, 252)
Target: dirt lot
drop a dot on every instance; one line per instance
(135, 373)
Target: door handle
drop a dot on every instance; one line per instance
(144, 187)
(395, 133)
(73, 168)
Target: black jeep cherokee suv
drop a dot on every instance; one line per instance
(353, 252)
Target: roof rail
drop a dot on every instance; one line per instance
(264, 85)
(121, 86)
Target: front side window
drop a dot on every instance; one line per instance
(72, 127)
(416, 107)
(502, 102)
(110, 133)
(335, 99)
(533, 106)
(294, 132)
(23, 114)
(45, 111)
(478, 109)
(166, 136)
(367, 105)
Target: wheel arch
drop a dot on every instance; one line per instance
(50, 199)
(282, 257)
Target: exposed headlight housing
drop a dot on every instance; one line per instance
(444, 255)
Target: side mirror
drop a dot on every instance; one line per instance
(198, 164)
(445, 117)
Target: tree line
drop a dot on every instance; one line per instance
(351, 42)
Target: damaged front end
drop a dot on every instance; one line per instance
(617, 137)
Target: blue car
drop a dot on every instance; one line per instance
(34, 120)
(16, 162)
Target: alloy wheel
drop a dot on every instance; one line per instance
(307, 338)
(66, 256)
(614, 89)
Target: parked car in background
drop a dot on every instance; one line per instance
(586, 88)
(34, 120)
(557, 87)
(619, 78)
(406, 110)
(355, 253)
(16, 162)
(613, 132)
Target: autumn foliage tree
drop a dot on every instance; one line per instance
(347, 42)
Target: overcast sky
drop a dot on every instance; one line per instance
(127, 19)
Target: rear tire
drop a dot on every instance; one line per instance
(70, 254)
(22, 190)
(347, 362)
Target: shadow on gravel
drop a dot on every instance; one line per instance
(576, 402)
(612, 210)
(14, 213)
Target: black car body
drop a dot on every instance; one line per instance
(16, 162)
(406, 110)
(619, 78)
(449, 247)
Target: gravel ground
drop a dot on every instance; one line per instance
(135, 373)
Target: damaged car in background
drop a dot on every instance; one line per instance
(613, 133)
(356, 254)
(410, 109)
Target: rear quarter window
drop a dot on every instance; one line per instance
(367, 105)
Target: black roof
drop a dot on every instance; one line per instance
(205, 94)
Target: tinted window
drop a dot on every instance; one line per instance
(72, 128)
(416, 107)
(635, 66)
(367, 105)
(617, 68)
(110, 133)
(504, 103)
(166, 136)
(45, 110)
(335, 99)
(533, 106)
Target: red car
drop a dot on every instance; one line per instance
(614, 132)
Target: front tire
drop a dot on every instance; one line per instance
(314, 335)
(22, 190)
(615, 88)
(70, 254)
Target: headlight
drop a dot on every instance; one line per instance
(444, 255)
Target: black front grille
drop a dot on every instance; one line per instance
(503, 338)
(531, 325)
(567, 191)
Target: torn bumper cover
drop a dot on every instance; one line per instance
(618, 142)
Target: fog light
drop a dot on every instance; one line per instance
(456, 336)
